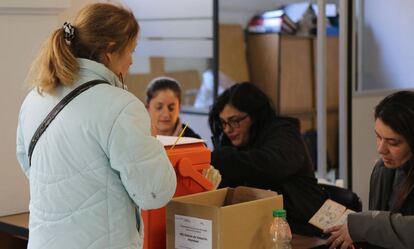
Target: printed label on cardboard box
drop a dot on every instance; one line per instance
(192, 233)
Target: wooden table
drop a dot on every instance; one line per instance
(305, 242)
(14, 231)
(17, 225)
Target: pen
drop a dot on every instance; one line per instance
(179, 136)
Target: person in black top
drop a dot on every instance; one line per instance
(163, 101)
(254, 147)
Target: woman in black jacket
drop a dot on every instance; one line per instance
(255, 147)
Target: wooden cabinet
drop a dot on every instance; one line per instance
(284, 67)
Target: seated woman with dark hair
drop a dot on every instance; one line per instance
(392, 182)
(163, 104)
(255, 147)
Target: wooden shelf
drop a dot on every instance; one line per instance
(284, 67)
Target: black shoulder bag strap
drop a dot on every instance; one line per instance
(55, 111)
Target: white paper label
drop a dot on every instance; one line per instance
(192, 233)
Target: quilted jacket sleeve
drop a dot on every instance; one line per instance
(21, 151)
(140, 159)
(384, 229)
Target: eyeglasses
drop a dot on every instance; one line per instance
(233, 122)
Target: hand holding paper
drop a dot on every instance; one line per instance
(213, 175)
(330, 214)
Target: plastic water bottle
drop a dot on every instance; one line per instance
(280, 230)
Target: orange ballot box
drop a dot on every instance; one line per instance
(188, 157)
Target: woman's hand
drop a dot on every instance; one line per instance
(213, 175)
(339, 238)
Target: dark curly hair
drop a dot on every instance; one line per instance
(248, 98)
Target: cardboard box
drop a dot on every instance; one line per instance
(222, 219)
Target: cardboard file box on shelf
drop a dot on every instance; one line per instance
(188, 158)
(222, 219)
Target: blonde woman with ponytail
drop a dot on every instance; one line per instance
(94, 164)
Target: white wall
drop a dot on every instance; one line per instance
(72, 8)
(364, 152)
(199, 123)
(24, 25)
(387, 44)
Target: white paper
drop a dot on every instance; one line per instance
(192, 233)
(170, 140)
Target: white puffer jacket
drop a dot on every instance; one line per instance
(92, 167)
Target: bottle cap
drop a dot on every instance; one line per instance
(279, 213)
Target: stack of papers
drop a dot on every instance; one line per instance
(170, 140)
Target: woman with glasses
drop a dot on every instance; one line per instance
(255, 147)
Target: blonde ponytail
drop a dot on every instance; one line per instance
(97, 27)
(54, 65)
